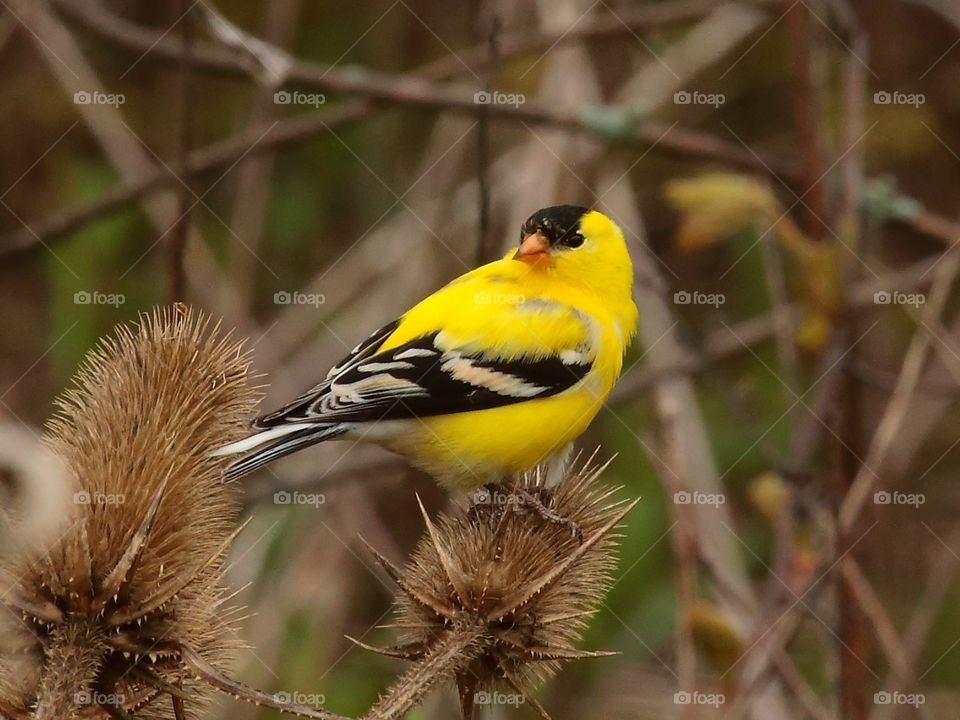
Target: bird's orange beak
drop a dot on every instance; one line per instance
(533, 249)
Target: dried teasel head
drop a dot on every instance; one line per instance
(497, 594)
(132, 582)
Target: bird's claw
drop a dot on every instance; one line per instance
(536, 504)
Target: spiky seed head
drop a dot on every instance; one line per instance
(497, 594)
(136, 571)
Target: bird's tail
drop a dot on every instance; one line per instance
(271, 444)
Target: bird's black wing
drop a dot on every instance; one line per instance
(421, 378)
(361, 352)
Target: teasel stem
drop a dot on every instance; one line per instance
(449, 657)
(72, 658)
(208, 673)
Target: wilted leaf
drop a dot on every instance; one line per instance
(819, 270)
(715, 635)
(768, 493)
(813, 331)
(713, 207)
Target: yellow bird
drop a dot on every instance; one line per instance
(494, 373)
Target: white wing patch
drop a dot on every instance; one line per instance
(465, 370)
(375, 367)
(415, 353)
(371, 388)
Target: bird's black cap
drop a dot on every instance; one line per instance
(555, 223)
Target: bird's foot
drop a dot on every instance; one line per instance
(533, 503)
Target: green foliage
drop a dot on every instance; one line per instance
(101, 261)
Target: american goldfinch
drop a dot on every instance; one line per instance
(492, 374)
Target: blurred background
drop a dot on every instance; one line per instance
(787, 176)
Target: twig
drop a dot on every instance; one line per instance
(851, 619)
(890, 642)
(125, 151)
(474, 59)
(783, 318)
(483, 149)
(807, 697)
(895, 412)
(177, 237)
(684, 541)
(357, 290)
(853, 99)
(611, 124)
(404, 89)
(854, 606)
(626, 20)
(274, 136)
(679, 142)
(946, 348)
(217, 155)
(938, 582)
(811, 429)
(728, 343)
(202, 669)
(254, 175)
(773, 636)
(805, 114)
(105, 123)
(274, 63)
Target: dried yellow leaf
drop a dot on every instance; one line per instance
(713, 207)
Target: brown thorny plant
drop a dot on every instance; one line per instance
(497, 594)
(118, 614)
(124, 613)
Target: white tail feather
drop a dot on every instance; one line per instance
(260, 438)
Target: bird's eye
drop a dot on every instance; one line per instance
(573, 240)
